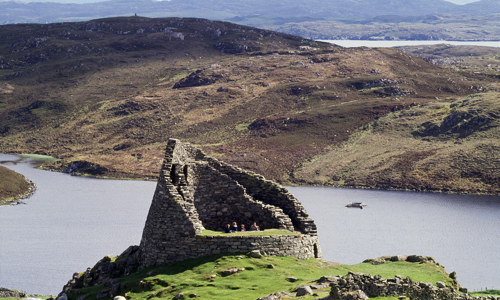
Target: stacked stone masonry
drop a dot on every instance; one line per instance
(345, 287)
(197, 192)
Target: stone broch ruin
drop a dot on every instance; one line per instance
(197, 192)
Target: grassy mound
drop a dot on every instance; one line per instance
(13, 186)
(255, 277)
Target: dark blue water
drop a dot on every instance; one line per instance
(72, 222)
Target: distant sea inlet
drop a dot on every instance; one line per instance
(385, 43)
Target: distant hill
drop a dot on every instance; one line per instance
(40, 12)
(257, 13)
(392, 27)
(104, 96)
(354, 19)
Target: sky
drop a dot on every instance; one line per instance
(91, 1)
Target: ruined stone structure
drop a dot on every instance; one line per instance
(197, 192)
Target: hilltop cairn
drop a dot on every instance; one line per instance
(197, 192)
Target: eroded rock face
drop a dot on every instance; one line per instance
(197, 192)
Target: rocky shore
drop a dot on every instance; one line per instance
(14, 187)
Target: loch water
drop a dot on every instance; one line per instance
(72, 222)
(68, 224)
(401, 43)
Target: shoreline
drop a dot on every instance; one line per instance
(17, 199)
(40, 159)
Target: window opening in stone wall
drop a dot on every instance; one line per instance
(186, 169)
(172, 175)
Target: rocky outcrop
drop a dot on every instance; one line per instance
(6, 293)
(463, 120)
(84, 167)
(105, 273)
(234, 48)
(345, 287)
(196, 78)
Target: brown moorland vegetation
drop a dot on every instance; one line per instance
(445, 146)
(107, 93)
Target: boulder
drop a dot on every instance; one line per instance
(453, 275)
(179, 296)
(356, 295)
(229, 272)
(304, 290)
(255, 254)
(276, 296)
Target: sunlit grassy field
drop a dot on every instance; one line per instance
(202, 278)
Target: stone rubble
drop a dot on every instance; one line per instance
(355, 285)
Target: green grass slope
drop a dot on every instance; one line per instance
(110, 92)
(202, 278)
(13, 186)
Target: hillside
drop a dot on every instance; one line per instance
(421, 148)
(242, 277)
(354, 19)
(13, 186)
(106, 94)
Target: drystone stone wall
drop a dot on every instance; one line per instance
(365, 286)
(197, 192)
